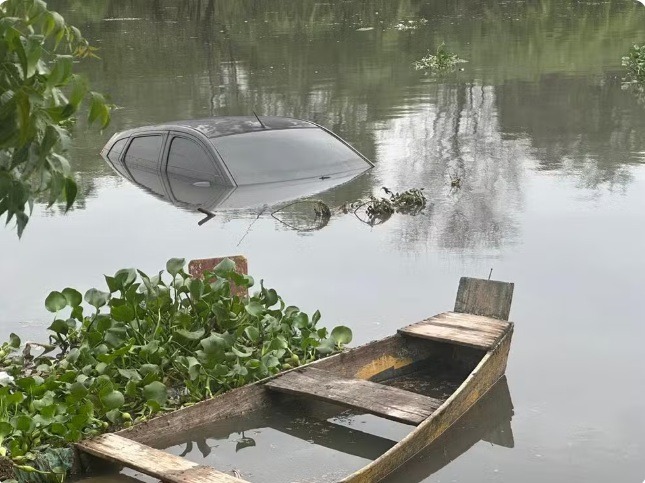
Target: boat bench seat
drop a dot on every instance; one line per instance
(461, 329)
(370, 397)
(153, 462)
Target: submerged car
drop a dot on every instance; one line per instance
(234, 162)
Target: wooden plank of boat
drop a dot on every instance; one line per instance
(370, 397)
(490, 298)
(488, 371)
(153, 462)
(380, 360)
(458, 328)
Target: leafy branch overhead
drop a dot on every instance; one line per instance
(39, 99)
(147, 344)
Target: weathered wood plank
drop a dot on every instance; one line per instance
(484, 297)
(388, 402)
(463, 329)
(470, 322)
(489, 370)
(159, 464)
(160, 431)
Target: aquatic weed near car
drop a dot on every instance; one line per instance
(635, 78)
(150, 344)
(441, 60)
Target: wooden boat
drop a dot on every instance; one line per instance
(394, 378)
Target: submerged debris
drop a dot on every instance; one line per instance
(377, 209)
(455, 181)
(293, 216)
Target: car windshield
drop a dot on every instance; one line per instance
(283, 155)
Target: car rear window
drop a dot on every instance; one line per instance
(283, 155)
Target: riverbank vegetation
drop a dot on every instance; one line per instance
(148, 344)
(39, 99)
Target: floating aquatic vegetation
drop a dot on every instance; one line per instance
(635, 63)
(373, 211)
(455, 181)
(148, 344)
(634, 80)
(410, 24)
(380, 209)
(441, 60)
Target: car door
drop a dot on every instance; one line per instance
(194, 175)
(142, 160)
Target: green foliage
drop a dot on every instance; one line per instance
(634, 61)
(442, 60)
(149, 344)
(39, 99)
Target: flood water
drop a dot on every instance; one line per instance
(550, 150)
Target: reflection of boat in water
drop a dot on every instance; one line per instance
(426, 376)
(489, 420)
(231, 163)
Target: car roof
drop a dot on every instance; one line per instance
(215, 127)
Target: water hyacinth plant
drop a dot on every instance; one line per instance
(634, 61)
(148, 344)
(441, 60)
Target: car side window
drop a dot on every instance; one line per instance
(142, 161)
(143, 152)
(117, 149)
(190, 161)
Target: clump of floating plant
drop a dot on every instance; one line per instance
(373, 211)
(406, 25)
(380, 208)
(147, 344)
(441, 60)
(634, 61)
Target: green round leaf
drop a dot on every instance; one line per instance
(112, 400)
(5, 429)
(224, 267)
(191, 336)
(73, 297)
(22, 423)
(14, 341)
(326, 346)
(175, 265)
(252, 333)
(55, 301)
(78, 390)
(96, 298)
(214, 343)
(126, 277)
(156, 391)
(122, 313)
(341, 335)
(256, 309)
